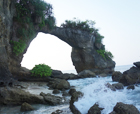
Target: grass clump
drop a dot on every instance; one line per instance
(105, 54)
(41, 70)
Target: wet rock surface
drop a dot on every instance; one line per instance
(74, 98)
(95, 109)
(118, 86)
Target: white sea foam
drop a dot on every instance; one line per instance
(95, 91)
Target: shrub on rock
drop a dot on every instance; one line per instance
(41, 70)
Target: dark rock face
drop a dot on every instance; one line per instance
(14, 96)
(51, 99)
(26, 107)
(95, 109)
(137, 64)
(71, 91)
(122, 108)
(131, 76)
(116, 76)
(74, 98)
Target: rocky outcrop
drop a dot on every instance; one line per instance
(118, 86)
(95, 109)
(84, 55)
(74, 98)
(51, 99)
(15, 96)
(116, 76)
(122, 108)
(131, 76)
(86, 73)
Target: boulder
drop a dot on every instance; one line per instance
(95, 109)
(71, 91)
(102, 75)
(118, 86)
(63, 84)
(116, 76)
(57, 112)
(15, 96)
(131, 87)
(137, 64)
(131, 76)
(74, 98)
(51, 99)
(86, 73)
(122, 108)
(108, 85)
(56, 91)
(26, 107)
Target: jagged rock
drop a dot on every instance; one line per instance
(137, 64)
(108, 85)
(131, 87)
(95, 109)
(71, 91)
(131, 76)
(56, 91)
(26, 107)
(74, 98)
(86, 73)
(118, 86)
(15, 96)
(51, 99)
(116, 76)
(122, 108)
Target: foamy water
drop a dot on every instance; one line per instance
(95, 91)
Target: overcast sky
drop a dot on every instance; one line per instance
(117, 20)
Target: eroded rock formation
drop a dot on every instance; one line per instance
(84, 55)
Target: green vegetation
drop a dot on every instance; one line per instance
(105, 54)
(28, 14)
(18, 47)
(87, 26)
(41, 70)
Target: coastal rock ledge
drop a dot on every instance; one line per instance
(84, 55)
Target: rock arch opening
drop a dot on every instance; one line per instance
(50, 50)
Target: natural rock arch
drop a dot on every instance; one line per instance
(84, 55)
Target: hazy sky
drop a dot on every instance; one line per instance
(118, 21)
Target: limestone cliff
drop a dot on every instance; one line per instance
(84, 55)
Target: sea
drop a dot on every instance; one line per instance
(94, 90)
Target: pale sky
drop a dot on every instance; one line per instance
(118, 21)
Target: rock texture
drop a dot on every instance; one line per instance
(122, 108)
(26, 107)
(116, 76)
(131, 76)
(95, 109)
(84, 55)
(15, 96)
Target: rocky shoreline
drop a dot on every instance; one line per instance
(57, 83)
